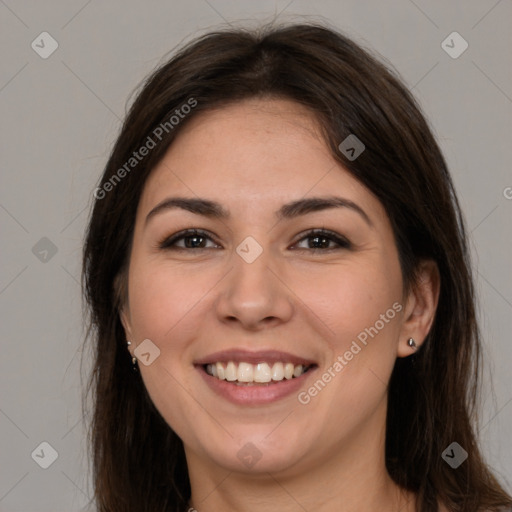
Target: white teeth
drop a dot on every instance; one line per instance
(262, 373)
(278, 371)
(212, 369)
(231, 373)
(245, 372)
(288, 371)
(249, 373)
(221, 373)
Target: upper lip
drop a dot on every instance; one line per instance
(260, 356)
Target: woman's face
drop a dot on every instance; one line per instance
(255, 294)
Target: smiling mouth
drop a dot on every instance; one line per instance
(247, 374)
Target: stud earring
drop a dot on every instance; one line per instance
(412, 343)
(134, 359)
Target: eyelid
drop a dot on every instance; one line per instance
(168, 241)
(343, 243)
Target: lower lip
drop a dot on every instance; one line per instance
(257, 394)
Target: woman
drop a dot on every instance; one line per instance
(280, 291)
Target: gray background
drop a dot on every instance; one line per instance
(60, 116)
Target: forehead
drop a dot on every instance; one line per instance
(252, 154)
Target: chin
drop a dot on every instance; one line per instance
(257, 451)
(251, 460)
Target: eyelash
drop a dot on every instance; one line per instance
(169, 242)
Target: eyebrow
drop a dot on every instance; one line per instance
(215, 210)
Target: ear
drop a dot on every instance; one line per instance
(420, 309)
(121, 297)
(124, 316)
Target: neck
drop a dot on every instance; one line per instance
(273, 493)
(350, 478)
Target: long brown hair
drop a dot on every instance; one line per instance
(138, 461)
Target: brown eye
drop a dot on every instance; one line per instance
(189, 239)
(324, 240)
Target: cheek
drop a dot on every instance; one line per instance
(161, 297)
(164, 304)
(362, 307)
(352, 299)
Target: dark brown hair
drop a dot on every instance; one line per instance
(138, 461)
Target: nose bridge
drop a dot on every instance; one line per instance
(251, 292)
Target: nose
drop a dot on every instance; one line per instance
(252, 295)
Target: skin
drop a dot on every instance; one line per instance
(328, 455)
